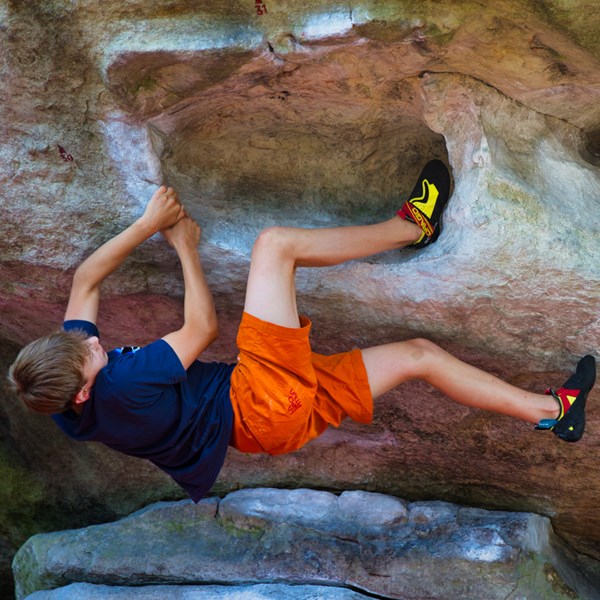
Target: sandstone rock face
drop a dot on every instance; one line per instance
(313, 114)
(367, 542)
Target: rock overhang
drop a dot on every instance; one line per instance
(318, 115)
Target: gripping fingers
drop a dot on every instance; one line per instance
(184, 233)
(164, 208)
(171, 194)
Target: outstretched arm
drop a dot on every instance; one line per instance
(163, 210)
(200, 326)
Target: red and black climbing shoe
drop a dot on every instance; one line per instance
(571, 400)
(427, 202)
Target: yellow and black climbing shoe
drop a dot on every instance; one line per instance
(571, 400)
(427, 202)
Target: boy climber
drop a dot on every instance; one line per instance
(161, 403)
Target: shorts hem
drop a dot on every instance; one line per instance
(365, 395)
(289, 333)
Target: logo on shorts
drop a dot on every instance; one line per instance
(294, 402)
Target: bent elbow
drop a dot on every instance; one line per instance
(81, 276)
(213, 333)
(207, 333)
(84, 278)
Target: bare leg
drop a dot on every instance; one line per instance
(390, 365)
(271, 293)
(271, 296)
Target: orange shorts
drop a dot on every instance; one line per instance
(284, 395)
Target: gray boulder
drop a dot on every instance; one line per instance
(86, 591)
(367, 542)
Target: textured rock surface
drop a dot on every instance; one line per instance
(83, 591)
(313, 114)
(363, 541)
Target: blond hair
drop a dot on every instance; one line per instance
(48, 373)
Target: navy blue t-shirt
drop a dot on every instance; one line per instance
(145, 404)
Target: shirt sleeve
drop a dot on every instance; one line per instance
(143, 375)
(85, 326)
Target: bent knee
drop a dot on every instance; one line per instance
(422, 349)
(274, 241)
